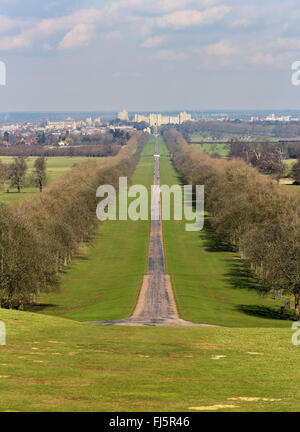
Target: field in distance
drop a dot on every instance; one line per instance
(220, 149)
(56, 167)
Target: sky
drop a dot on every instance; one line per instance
(143, 55)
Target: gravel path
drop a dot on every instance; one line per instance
(156, 305)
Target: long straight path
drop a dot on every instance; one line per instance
(156, 304)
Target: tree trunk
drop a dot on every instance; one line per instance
(297, 313)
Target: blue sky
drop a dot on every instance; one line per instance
(149, 54)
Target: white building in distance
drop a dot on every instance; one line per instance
(159, 119)
(70, 124)
(61, 125)
(10, 128)
(139, 118)
(273, 117)
(184, 117)
(123, 115)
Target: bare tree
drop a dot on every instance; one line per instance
(40, 172)
(18, 171)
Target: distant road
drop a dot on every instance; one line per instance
(156, 305)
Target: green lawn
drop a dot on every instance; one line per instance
(56, 364)
(56, 167)
(52, 364)
(290, 162)
(292, 188)
(221, 149)
(198, 137)
(103, 282)
(211, 285)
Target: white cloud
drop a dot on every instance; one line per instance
(247, 15)
(226, 54)
(78, 27)
(192, 17)
(219, 54)
(20, 41)
(152, 42)
(77, 37)
(84, 16)
(153, 6)
(246, 38)
(7, 24)
(222, 48)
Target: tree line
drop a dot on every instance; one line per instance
(267, 157)
(15, 173)
(248, 211)
(113, 137)
(248, 150)
(237, 127)
(39, 236)
(66, 151)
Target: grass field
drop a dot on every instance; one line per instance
(55, 364)
(221, 149)
(56, 167)
(52, 364)
(211, 285)
(293, 188)
(103, 282)
(287, 182)
(198, 137)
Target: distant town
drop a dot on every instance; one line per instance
(62, 132)
(34, 133)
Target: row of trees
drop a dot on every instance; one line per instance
(87, 150)
(218, 129)
(16, 173)
(250, 212)
(267, 157)
(39, 236)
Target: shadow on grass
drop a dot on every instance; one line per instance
(211, 242)
(241, 277)
(265, 312)
(75, 260)
(56, 287)
(80, 257)
(180, 180)
(38, 307)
